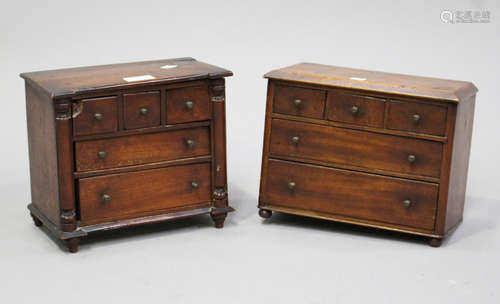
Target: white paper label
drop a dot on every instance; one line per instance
(169, 66)
(357, 78)
(138, 78)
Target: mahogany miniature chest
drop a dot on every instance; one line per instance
(369, 148)
(126, 144)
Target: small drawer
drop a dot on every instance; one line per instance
(350, 193)
(97, 115)
(353, 109)
(416, 117)
(299, 101)
(355, 148)
(127, 195)
(188, 104)
(141, 110)
(141, 149)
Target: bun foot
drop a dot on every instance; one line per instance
(219, 219)
(72, 244)
(37, 222)
(265, 213)
(435, 242)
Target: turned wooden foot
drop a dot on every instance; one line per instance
(37, 222)
(265, 213)
(433, 242)
(219, 219)
(72, 244)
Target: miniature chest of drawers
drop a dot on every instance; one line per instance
(126, 144)
(376, 149)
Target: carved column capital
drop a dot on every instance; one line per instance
(63, 110)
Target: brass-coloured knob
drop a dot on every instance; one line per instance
(297, 102)
(291, 185)
(98, 116)
(189, 105)
(412, 158)
(144, 111)
(106, 198)
(415, 118)
(295, 140)
(190, 143)
(406, 204)
(194, 185)
(354, 109)
(101, 154)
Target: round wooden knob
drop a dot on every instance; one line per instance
(295, 140)
(144, 111)
(98, 116)
(415, 118)
(106, 198)
(354, 109)
(189, 105)
(194, 185)
(297, 102)
(101, 154)
(406, 204)
(190, 143)
(291, 185)
(412, 158)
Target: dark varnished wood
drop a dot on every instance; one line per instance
(133, 194)
(148, 159)
(141, 149)
(355, 109)
(265, 213)
(358, 148)
(352, 194)
(178, 110)
(370, 146)
(141, 110)
(312, 101)
(432, 118)
(85, 121)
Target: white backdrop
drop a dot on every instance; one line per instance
(289, 259)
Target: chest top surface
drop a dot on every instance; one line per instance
(415, 86)
(74, 81)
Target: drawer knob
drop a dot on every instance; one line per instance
(295, 140)
(106, 198)
(190, 143)
(415, 118)
(354, 110)
(189, 105)
(406, 204)
(291, 186)
(194, 185)
(98, 116)
(144, 111)
(412, 158)
(101, 154)
(297, 102)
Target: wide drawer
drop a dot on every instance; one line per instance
(354, 194)
(299, 101)
(141, 149)
(119, 196)
(356, 148)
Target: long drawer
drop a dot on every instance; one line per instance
(141, 149)
(119, 196)
(355, 147)
(349, 193)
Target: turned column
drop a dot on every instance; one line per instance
(64, 140)
(219, 196)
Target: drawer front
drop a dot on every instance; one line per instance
(188, 104)
(118, 196)
(97, 115)
(358, 110)
(299, 101)
(141, 149)
(141, 110)
(416, 117)
(354, 194)
(355, 147)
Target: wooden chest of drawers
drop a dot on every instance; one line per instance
(376, 149)
(126, 144)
